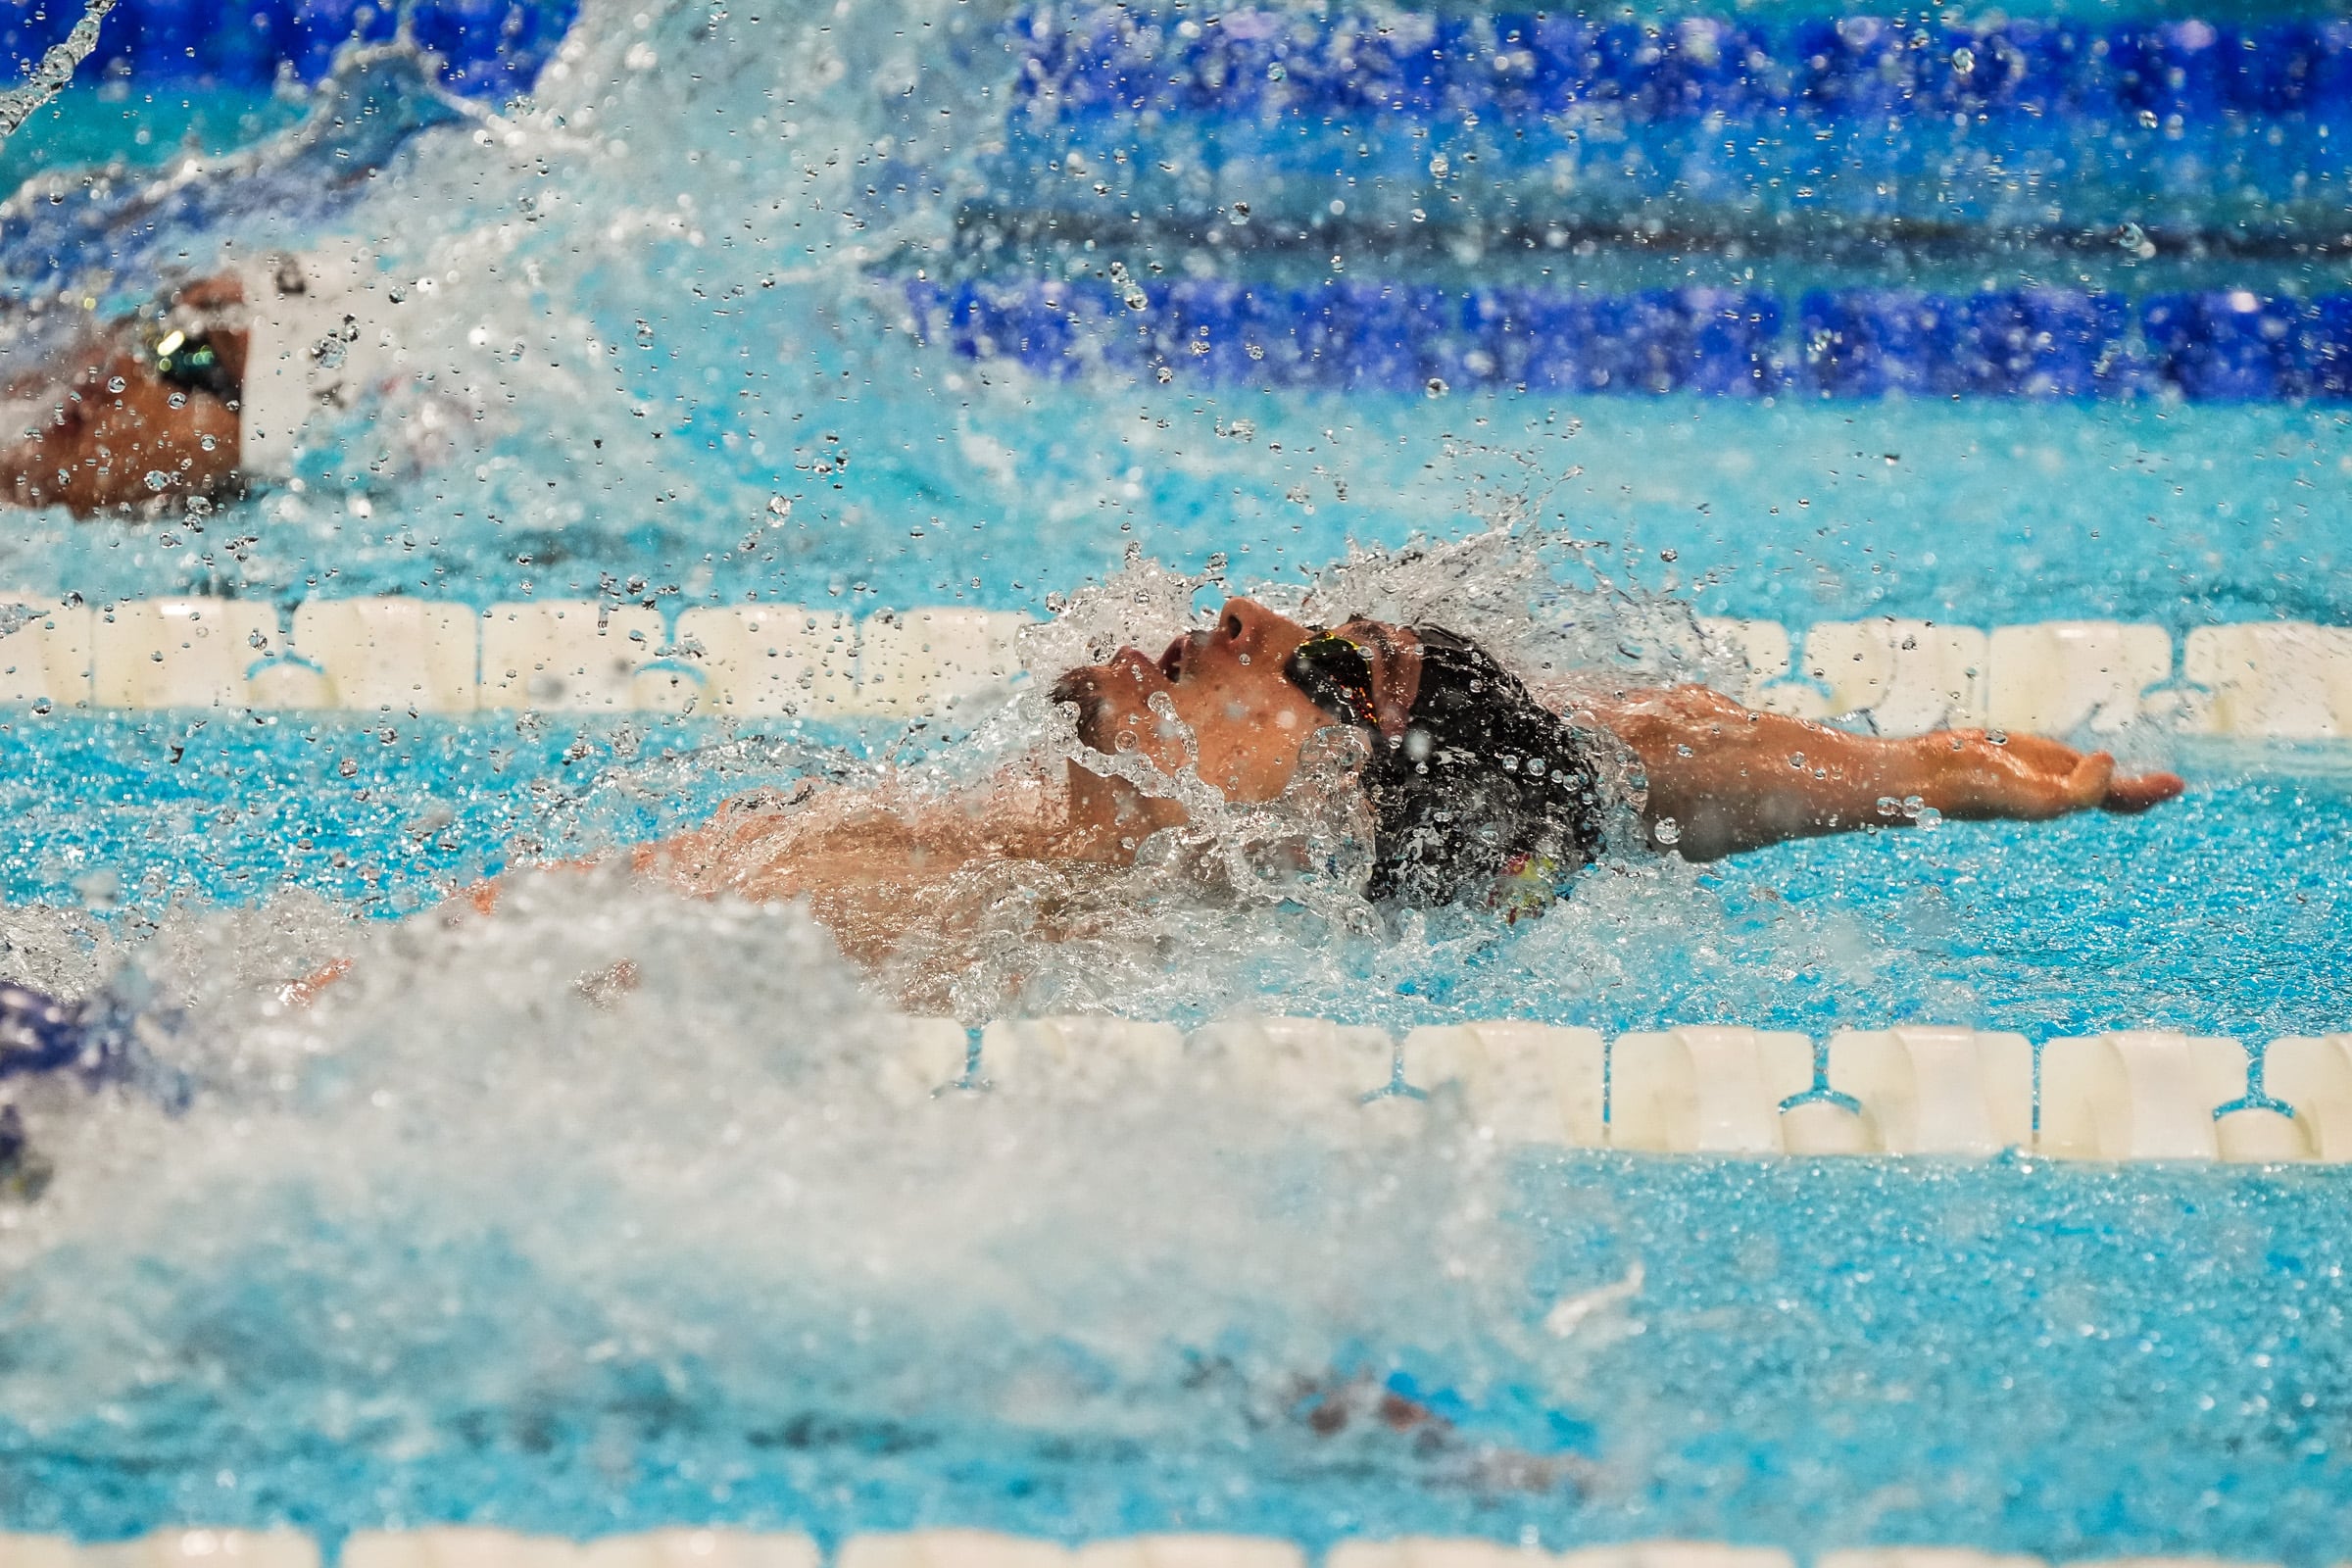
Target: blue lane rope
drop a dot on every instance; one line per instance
(1519, 66)
(2218, 346)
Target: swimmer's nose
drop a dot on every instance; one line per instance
(1258, 631)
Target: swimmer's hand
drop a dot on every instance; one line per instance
(2029, 777)
(2134, 792)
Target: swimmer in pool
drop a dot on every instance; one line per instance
(203, 394)
(1478, 792)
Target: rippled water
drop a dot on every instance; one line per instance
(473, 1239)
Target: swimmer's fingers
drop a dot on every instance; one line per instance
(2091, 780)
(2137, 792)
(2085, 783)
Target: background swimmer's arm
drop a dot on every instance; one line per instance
(1733, 779)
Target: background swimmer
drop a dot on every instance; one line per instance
(204, 393)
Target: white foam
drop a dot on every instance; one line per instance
(916, 1058)
(1085, 1054)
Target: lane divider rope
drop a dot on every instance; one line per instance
(2286, 680)
(476, 1547)
(2218, 345)
(1912, 1090)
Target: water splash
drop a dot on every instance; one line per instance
(53, 70)
(507, 1193)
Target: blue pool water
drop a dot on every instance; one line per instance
(2026, 1358)
(834, 306)
(2218, 916)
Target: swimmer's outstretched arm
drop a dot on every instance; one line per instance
(1733, 779)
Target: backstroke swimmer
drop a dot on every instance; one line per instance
(1477, 794)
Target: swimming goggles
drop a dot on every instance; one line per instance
(186, 358)
(1334, 676)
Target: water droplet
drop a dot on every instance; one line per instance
(1667, 831)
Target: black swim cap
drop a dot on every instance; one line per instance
(1483, 793)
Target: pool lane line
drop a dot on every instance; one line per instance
(1910, 1089)
(2273, 680)
(2227, 345)
(479, 1546)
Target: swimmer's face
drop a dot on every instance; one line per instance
(101, 430)
(1225, 686)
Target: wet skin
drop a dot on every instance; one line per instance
(96, 427)
(902, 877)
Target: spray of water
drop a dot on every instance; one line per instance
(53, 70)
